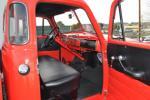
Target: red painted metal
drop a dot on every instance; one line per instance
(66, 57)
(121, 86)
(54, 54)
(27, 87)
(94, 97)
(1, 92)
(116, 86)
(68, 49)
(21, 87)
(72, 40)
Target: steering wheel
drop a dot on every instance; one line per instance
(50, 38)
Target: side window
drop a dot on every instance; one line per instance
(42, 26)
(18, 24)
(126, 25)
(118, 26)
(145, 20)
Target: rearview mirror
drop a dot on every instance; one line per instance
(70, 16)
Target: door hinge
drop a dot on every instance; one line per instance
(1, 76)
(105, 94)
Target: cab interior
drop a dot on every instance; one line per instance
(70, 60)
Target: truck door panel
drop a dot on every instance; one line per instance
(123, 87)
(135, 60)
(129, 75)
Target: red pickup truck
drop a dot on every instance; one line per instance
(56, 50)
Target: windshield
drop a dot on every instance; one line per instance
(74, 21)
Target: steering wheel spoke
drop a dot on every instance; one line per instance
(50, 38)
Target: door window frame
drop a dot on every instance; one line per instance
(121, 22)
(27, 16)
(122, 37)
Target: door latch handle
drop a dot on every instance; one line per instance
(120, 58)
(136, 74)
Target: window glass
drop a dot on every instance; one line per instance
(74, 21)
(83, 18)
(136, 21)
(117, 31)
(126, 23)
(145, 20)
(67, 22)
(18, 24)
(42, 26)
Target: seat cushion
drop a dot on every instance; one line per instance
(54, 73)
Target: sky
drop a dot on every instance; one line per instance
(145, 10)
(130, 9)
(101, 10)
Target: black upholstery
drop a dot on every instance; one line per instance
(136, 61)
(58, 77)
(48, 9)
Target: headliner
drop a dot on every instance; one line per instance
(49, 9)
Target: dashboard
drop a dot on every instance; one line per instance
(81, 41)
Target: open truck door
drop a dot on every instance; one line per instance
(128, 55)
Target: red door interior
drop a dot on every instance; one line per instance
(128, 57)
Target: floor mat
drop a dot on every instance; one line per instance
(91, 82)
(86, 89)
